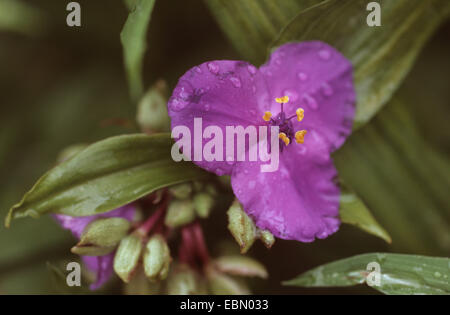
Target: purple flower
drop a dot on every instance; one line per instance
(300, 200)
(102, 266)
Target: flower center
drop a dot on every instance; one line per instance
(284, 123)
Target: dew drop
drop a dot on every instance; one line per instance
(437, 274)
(327, 90)
(198, 69)
(236, 82)
(310, 101)
(207, 107)
(219, 171)
(302, 76)
(301, 149)
(251, 69)
(293, 95)
(177, 104)
(278, 62)
(324, 54)
(213, 67)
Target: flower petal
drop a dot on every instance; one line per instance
(317, 78)
(299, 201)
(223, 93)
(102, 266)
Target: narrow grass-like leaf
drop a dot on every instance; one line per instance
(251, 25)
(133, 41)
(399, 274)
(106, 175)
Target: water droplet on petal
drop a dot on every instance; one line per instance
(245, 171)
(219, 171)
(301, 149)
(198, 69)
(177, 104)
(251, 69)
(293, 95)
(302, 76)
(324, 54)
(236, 82)
(310, 101)
(327, 90)
(278, 61)
(213, 67)
(207, 107)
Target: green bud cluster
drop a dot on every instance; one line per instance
(191, 200)
(155, 257)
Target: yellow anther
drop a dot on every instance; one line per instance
(300, 136)
(284, 138)
(300, 114)
(282, 100)
(267, 116)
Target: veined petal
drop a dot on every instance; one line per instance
(317, 78)
(221, 93)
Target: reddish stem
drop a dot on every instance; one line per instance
(193, 250)
(152, 220)
(202, 250)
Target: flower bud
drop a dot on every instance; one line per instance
(185, 281)
(222, 284)
(181, 191)
(241, 227)
(139, 285)
(152, 109)
(180, 212)
(100, 237)
(127, 257)
(203, 203)
(266, 238)
(156, 258)
(211, 189)
(240, 266)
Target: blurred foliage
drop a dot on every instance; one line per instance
(65, 85)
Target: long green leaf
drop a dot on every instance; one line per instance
(133, 40)
(399, 274)
(381, 56)
(403, 181)
(106, 175)
(353, 211)
(251, 25)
